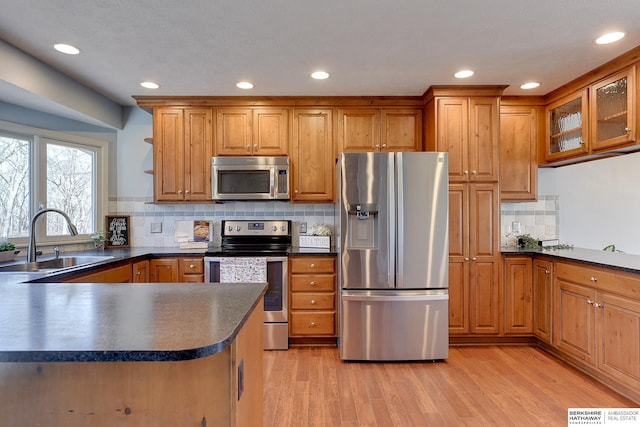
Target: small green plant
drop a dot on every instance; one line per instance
(7, 246)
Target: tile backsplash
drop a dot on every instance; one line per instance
(540, 219)
(144, 213)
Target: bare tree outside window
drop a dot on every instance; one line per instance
(14, 186)
(70, 173)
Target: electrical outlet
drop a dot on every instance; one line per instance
(156, 227)
(303, 227)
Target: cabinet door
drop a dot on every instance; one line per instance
(458, 259)
(359, 129)
(567, 129)
(619, 338)
(198, 149)
(542, 299)
(518, 151)
(401, 129)
(518, 304)
(233, 132)
(484, 279)
(140, 271)
(453, 135)
(168, 154)
(311, 159)
(483, 142)
(163, 270)
(574, 327)
(612, 111)
(270, 132)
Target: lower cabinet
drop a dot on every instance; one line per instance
(312, 297)
(597, 323)
(140, 271)
(118, 274)
(176, 269)
(543, 299)
(518, 301)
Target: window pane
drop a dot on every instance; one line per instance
(70, 188)
(14, 186)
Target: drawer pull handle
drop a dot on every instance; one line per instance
(589, 302)
(313, 302)
(593, 279)
(312, 283)
(312, 265)
(312, 324)
(192, 266)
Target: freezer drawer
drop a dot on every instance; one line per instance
(394, 325)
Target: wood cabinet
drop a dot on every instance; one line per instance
(182, 151)
(312, 156)
(468, 129)
(519, 139)
(191, 269)
(252, 131)
(163, 270)
(374, 129)
(597, 321)
(518, 295)
(140, 271)
(567, 127)
(543, 299)
(312, 297)
(107, 274)
(612, 111)
(474, 259)
(177, 269)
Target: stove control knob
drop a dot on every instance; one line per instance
(237, 228)
(282, 228)
(230, 228)
(274, 228)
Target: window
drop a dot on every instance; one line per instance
(41, 169)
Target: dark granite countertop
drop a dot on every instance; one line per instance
(598, 258)
(67, 322)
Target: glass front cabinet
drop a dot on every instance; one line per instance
(567, 127)
(612, 105)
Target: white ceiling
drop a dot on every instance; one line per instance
(370, 47)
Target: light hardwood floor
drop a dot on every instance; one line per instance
(476, 386)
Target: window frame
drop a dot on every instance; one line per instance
(38, 176)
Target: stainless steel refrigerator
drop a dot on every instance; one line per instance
(392, 226)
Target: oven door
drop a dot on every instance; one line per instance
(276, 298)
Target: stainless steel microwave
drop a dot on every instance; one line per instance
(250, 178)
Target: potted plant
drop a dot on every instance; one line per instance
(99, 238)
(7, 251)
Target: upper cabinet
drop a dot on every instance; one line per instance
(519, 134)
(312, 155)
(567, 129)
(467, 127)
(374, 129)
(612, 111)
(182, 150)
(252, 131)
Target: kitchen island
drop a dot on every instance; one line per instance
(156, 354)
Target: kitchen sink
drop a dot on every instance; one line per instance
(53, 264)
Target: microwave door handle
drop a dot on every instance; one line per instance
(273, 189)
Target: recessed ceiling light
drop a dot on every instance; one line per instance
(66, 48)
(150, 85)
(320, 75)
(245, 85)
(463, 74)
(610, 37)
(529, 85)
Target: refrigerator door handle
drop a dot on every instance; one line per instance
(391, 209)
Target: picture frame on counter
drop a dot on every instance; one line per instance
(118, 231)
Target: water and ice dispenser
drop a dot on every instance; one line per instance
(363, 225)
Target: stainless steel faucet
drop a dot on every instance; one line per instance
(31, 254)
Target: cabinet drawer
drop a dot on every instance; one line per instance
(312, 301)
(312, 265)
(309, 323)
(313, 282)
(191, 266)
(607, 280)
